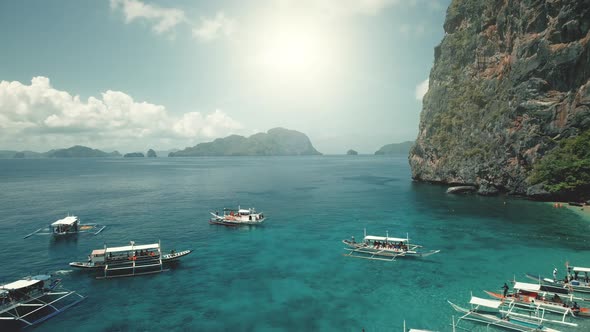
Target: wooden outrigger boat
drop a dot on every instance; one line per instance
(128, 261)
(384, 248)
(32, 300)
(237, 217)
(535, 296)
(66, 226)
(571, 283)
(498, 316)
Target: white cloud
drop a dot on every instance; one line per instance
(212, 28)
(215, 124)
(41, 117)
(163, 19)
(421, 89)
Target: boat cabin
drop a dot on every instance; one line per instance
(66, 225)
(20, 289)
(131, 252)
(386, 242)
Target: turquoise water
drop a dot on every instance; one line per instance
(288, 275)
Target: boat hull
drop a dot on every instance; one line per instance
(226, 222)
(574, 285)
(533, 303)
(166, 258)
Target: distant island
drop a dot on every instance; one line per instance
(352, 152)
(19, 154)
(134, 155)
(395, 148)
(76, 151)
(151, 153)
(79, 151)
(275, 142)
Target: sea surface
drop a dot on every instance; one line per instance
(289, 274)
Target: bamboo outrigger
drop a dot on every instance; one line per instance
(129, 261)
(535, 296)
(32, 300)
(505, 314)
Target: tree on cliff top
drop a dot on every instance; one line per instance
(566, 169)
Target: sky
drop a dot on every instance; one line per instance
(130, 75)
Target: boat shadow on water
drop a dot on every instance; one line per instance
(65, 240)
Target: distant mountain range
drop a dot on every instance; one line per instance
(275, 142)
(395, 148)
(76, 151)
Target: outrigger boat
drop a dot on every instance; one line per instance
(384, 248)
(66, 226)
(569, 282)
(237, 217)
(128, 261)
(535, 296)
(32, 300)
(503, 316)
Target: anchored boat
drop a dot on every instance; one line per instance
(535, 296)
(32, 300)
(495, 313)
(237, 217)
(384, 248)
(569, 283)
(128, 261)
(66, 226)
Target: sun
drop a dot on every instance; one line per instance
(292, 52)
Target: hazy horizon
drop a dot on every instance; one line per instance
(131, 75)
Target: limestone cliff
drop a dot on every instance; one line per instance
(510, 80)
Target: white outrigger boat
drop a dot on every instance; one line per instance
(573, 283)
(237, 217)
(500, 314)
(128, 261)
(384, 248)
(32, 300)
(66, 226)
(536, 296)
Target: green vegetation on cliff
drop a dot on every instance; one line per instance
(566, 168)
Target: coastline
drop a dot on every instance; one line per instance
(583, 211)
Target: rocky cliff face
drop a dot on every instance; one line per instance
(510, 80)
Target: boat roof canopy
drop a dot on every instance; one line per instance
(69, 220)
(581, 269)
(20, 284)
(243, 211)
(485, 302)
(527, 286)
(383, 238)
(132, 248)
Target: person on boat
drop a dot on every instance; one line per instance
(352, 239)
(555, 274)
(505, 288)
(575, 275)
(586, 279)
(575, 306)
(556, 298)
